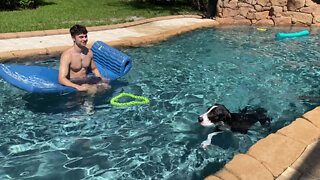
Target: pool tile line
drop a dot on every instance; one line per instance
(290, 153)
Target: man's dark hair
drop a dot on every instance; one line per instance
(78, 29)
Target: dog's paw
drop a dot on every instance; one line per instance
(207, 142)
(204, 145)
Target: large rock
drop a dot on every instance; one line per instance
(220, 3)
(244, 21)
(315, 10)
(266, 8)
(299, 18)
(243, 11)
(310, 3)
(262, 15)
(219, 10)
(262, 2)
(265, 22)
(225, 21)
(252, 2)
(228, 12)
(239, 17)
(316, 19)
(233, 4)
(279, 2)
(282, 21)
(258, 7)
(241, 4)
(317, 25)
(293, 5)
(297, 23)
(275, 10)
(251, 15)
(219, 7)
(224, 2)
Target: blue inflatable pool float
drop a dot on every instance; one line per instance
(290, 35)
(111, 63)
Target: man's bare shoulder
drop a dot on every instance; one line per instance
(90, 53)
(66, 54)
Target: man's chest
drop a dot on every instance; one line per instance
(79, 62)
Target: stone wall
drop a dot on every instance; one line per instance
(269, 12)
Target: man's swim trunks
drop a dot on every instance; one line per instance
(90, 79)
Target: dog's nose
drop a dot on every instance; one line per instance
(200, 119)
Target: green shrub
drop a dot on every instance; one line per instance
(18, 4)
(26, 3)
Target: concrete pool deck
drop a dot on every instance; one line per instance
(53, 42)
(290, 153)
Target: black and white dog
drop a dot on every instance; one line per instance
(220, 117)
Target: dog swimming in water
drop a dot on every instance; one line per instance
(220, 117)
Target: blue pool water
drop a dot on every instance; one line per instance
(52, 137)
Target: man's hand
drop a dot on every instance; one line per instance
(83, 87)
(103, 85)
(91, 89)
(105, 80)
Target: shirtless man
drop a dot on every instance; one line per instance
(76, 61)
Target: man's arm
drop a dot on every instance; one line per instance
(93, 66)
(95, 70)
(64, 71)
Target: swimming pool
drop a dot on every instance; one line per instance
(52, 137)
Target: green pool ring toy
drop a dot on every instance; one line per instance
(145, 100)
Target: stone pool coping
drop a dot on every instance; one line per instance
(290, 153)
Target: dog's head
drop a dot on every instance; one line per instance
(215, 114)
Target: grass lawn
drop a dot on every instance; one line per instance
(56, 14)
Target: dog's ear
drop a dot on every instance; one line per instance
(222, 113)
(225, 115)
(215, 105)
